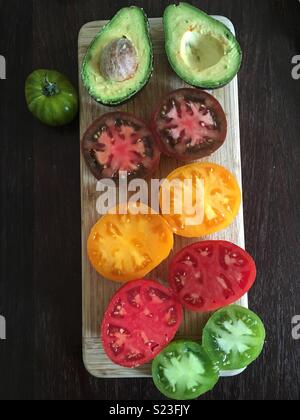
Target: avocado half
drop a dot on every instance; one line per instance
(201, 50)
(119, 61)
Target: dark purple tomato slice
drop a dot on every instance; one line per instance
(119, 142)
(189, 124)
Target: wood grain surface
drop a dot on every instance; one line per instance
(40, 246)
(97, 292)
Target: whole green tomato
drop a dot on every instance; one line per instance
(51, 97)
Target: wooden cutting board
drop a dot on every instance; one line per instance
(97, 291)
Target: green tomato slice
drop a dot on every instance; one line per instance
(183, 371)
(233, 338)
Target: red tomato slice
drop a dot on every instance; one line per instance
(211, 274)
(141, 319)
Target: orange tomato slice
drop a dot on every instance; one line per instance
(208, 204)
(125, 247)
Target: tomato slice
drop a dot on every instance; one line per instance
(189, 124)
(123, 247)
(234, 337)
(219, 197)
(183, 371)
(141, 319)
(120, 142)
(211, 274)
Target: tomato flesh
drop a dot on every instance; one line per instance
(234, 337)
(141, 319)
(211, 274)
(119, 142)
(212, 188)
(123, 247)
(183, 371)
(190, 124)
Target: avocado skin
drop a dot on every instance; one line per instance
(84, 70)
(207, 85)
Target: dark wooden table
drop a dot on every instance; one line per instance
(40, 280)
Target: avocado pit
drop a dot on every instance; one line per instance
(119, 60)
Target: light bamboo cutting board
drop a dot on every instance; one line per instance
(97, 292)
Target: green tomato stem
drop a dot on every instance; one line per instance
(49, 88)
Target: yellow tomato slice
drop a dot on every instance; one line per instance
(212, 209)
(125, 247)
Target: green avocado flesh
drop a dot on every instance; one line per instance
(129, 24)
(201, 50)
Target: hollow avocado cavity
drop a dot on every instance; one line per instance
(201, 51)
